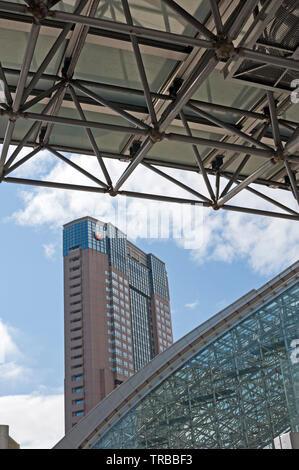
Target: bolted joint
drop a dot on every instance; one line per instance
(12, 116)
(278, 156)
(156, 135)
(38, 9)
(224, 49)
(112, 192)
(215, 207)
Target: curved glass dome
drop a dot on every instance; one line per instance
(230, 383)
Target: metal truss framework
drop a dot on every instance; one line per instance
(256, 132)
(230, 395)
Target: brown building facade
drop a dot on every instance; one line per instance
(117, 312)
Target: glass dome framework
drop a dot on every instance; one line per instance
(204, 88)
(230, 383)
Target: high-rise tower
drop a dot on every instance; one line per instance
(117, 313)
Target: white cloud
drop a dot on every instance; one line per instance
(49, 250)
(11, 370)
(7, 345)
(192, 305)
(11, 367)
(37, 165)
(36, 421)
(266, 244)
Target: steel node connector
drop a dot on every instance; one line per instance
(224, 49)
(156, 135)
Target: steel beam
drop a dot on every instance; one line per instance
(293, 181)
(204, 68)
(49, 56)
(274, 121)
(292, 159)
(142, 109)
(293, 144)
(21, 161)
(133, 91)
(250, 179)
(159, 197)
(52, 184)
(6, 143)
(77, 40)
(219, 145)
(140, 65)
(5, 85)
(25, 66)
(77, 122)
(235, 175)
(268, 59)
(198, 159)
(250, 70)
(217, 185)
(190, 19)
(110, 105)
(76, 167)
(138, 31)
(228, 127)
(53, 111)
(247, 210)
(51, 22)
(217, 17)
(138, 157)
(258, 135)
(41, 96)
(177, 182)
(70, 58)
(22, 143)
(91, 137)
(92, 189)
(161, 96)
(272, 201)
(157, 162)
(19, 91)
(254, 31)
(199, 74)
(243, 16)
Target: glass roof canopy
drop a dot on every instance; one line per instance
(202, 86)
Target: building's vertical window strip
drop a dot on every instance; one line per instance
(158, 277)
(141, 329)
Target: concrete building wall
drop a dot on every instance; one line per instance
(7, 442)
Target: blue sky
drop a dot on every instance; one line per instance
(237, 253)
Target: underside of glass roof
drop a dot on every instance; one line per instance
(200, 86)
